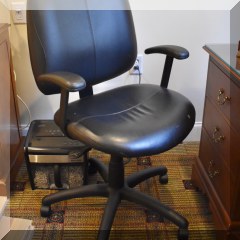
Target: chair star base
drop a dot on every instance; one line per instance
(117, 188)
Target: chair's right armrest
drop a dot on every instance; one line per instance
(65, 80)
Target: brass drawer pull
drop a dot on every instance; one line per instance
(221, 99)
(211, 172)
(216, 136)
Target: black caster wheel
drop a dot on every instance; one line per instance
(183, 234)
(91, 168)
(163, 179)
(45, 211)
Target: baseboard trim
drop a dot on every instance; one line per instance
(195, 134)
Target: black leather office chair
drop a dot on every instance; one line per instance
(72, 51)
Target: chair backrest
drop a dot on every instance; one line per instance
(96, 44)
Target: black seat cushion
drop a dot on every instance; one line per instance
(132, 121)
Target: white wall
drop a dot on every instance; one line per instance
(182, 5)
(4, 13)
(190, 29)
(235, 22)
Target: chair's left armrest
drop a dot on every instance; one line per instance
(169, 50)
(65, 80)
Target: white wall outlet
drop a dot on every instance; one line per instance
(138, 66)
(19, 12)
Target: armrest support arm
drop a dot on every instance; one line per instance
(171, 52)
(67, 82)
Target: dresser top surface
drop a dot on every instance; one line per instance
(226, 53)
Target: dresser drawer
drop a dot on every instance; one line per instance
(225, 94)
(218, 89)
(235, 106)
(216, 169)
(218, 130)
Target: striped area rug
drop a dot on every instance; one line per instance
(80, 218)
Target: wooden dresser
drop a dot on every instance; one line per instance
(217, 170)
(11, 151)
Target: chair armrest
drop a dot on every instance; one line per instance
(65, 80)
(169, 50)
